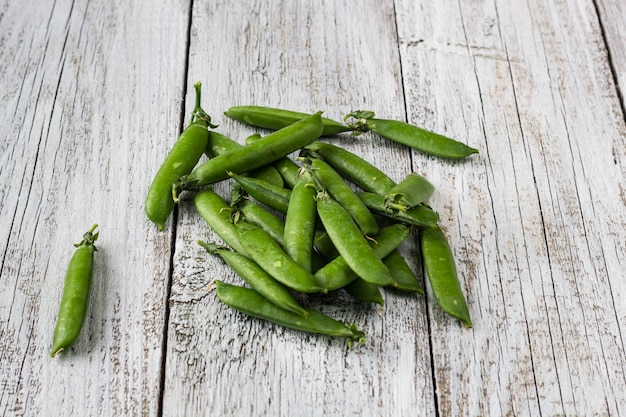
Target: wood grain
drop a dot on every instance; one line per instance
(93, 98)
(94, 94)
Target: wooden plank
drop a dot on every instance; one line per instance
(612, 16)
(92, 96)
(537, 219)
(303, 56)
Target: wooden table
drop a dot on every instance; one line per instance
(95, 93)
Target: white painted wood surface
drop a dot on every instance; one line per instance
(92, 97)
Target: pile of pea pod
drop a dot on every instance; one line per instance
(324, 221)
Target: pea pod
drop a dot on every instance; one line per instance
(253, 304)
(410, 192)
(217, 214)
(337, 273)
(415, 137)
(219, 144)
(365, 291)
(259, 216)
(271, 195)
(260, 153)
(300, 222)
(350, 242)
(75, 298)
(274, 119)
(338, 189)
(179, 162)
(257, 278)
(352, 167)
(421, 215)
(442, 274)
(268, 254)
(405, 279)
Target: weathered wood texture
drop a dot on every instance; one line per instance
(93, 98)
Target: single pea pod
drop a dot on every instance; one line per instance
(264, 192)
(260, 153)
(408, 193)
(365, 291)
(217, 214)
(261, 217)
(253, 304)
(219, 144)
(420, 216)
(350, 242)
(270, 256)
(178, 163)
(337, 273)
(352, 167)
(300, 222)
(257, 278)
(415, 137)
(442, 274)
(275, 119)
(334, 184)
(288, 169)
(75, 298)
(403, 275)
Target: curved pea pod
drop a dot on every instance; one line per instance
(415, 137)
(266, 193)
(269, 255)
(260, 153)
(261, 217)
(257, 278)
(75, 298)
(350, 242)
(300, 222)
(219, 144)
(365, 291)
(410, 192)
(403, 276)
(216, 213)
(274, 119)
(338, 189)
(421, 215)
(442, 274)
(288, 169)
(337, 273)
(253, 304)
(180, 161)
(352, 167)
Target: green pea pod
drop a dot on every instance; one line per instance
(442, 274)
(274, 119)
(217, 214)
(268, 254)
(338, 189)
(75, 298)
(288, 170)
(179, 162)
(300, 222)
(264, 192)
(415, 137)
(324, 245)
(410, 192)
(352, 167)
(253, 304)
(420, 216)
(365, 291)
(260, 153)
(257, 278)
(350, 242)
(219, 144)
(261, 217)
(337, 273)
(405, 279)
